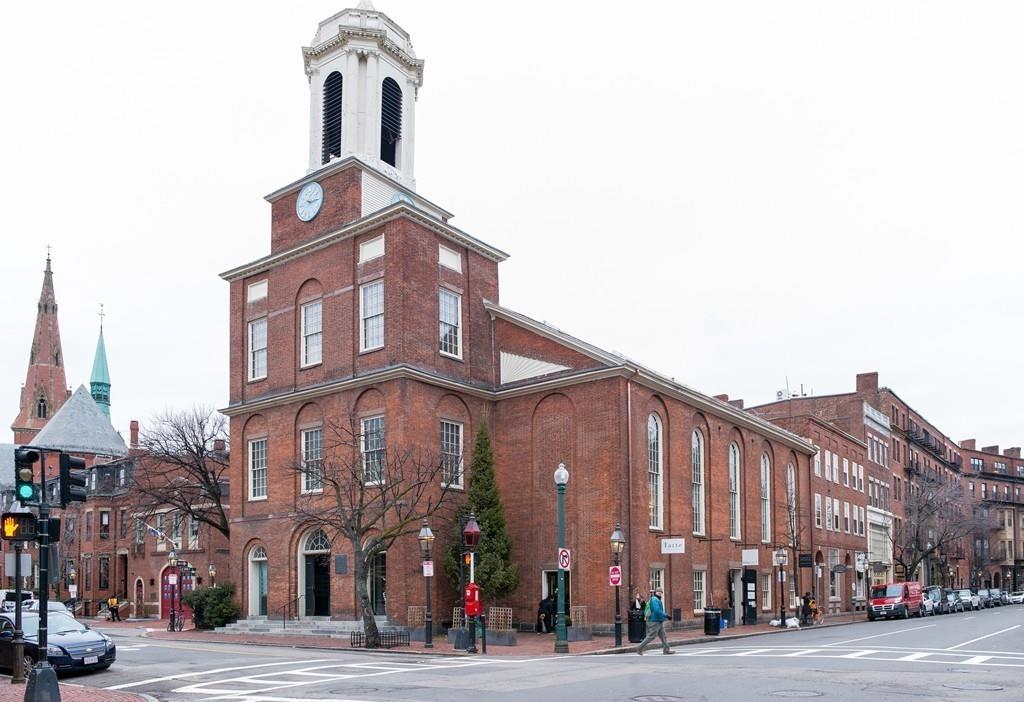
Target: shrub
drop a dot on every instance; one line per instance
(212, 606)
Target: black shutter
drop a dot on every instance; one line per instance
(332, 117)
(390, 120)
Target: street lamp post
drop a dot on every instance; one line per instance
(212, 570)
(561, 639)
(426, 538)
(471, 537)
(618, 542)
(172, 561)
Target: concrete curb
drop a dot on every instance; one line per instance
(713, 639)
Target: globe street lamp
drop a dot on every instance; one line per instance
(471, 537)
(426, 538)
(618, 542)
(561, 640)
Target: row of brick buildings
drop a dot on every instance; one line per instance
(373, 317)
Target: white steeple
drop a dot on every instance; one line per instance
(363, 79)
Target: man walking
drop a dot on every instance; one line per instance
(655, 624)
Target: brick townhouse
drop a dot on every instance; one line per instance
(994, 480)
(371, 307)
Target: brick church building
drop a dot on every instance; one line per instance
(371, 307)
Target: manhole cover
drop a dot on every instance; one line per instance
(657, 698)
(797, 693)
(977, 687)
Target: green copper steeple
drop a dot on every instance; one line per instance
(99, 383)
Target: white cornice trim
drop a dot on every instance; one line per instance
(348, 162)
(396, 211)
(378, 36)
(548, 332)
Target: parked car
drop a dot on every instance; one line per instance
(984, 598)
(51, 606)
(895, 600)
(970, 599)
(996, 595)
(932, 601)
(9, 597)
(1017, 597)
(71, 645)
(953, 601)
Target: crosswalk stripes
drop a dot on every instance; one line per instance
(877, 654)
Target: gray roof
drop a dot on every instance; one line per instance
(81, 427)
(6, 467)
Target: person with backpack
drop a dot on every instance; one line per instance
(655, 624)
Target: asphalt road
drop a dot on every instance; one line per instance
(971, 656)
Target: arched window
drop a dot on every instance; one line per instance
(790, 487)
(41, 407)
(697, 463)
(766, 498)
(390, 121)
(734, 491)
(655, 475)
(317, 542)
(332, 117)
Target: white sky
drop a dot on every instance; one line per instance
(731, 193)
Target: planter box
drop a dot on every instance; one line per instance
(578, 633)
(500, 638)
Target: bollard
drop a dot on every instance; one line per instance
(483, 631)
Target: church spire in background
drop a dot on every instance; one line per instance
(99, 382)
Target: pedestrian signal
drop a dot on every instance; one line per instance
(18, 526)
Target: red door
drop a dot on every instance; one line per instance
(184, 584)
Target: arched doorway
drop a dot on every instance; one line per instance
(258, 582)
(376, 583)
(140, 598)
(315, 574)
(996, 579)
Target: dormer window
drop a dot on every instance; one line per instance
(390, 121)
(332, 118)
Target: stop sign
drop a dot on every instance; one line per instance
(615, 576)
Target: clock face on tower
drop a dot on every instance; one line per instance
(307, 205)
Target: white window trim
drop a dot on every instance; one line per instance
(251, 364)
(698, 607)
(766, 499)
(306, 363)
(363, 450)
(369, 245)
(460, 485)
(362, 317)
(697, 469)
(818, 517)
(453, 255)
(458, 328)
(304, 487)
(249, 298)
(735, 534)
(766, 591)
(249, 470)
(656, 488)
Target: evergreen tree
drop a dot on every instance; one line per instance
(495, 572)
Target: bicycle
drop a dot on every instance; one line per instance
(176, 622)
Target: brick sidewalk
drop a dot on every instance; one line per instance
(528, 644)
(70, 693)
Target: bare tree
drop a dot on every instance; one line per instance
(936, 521)
(184, 467)
(370, 494)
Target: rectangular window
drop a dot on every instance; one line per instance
(846, 517)
(657, 579)
(104, 572)
(312, 460)
(371, 249)
(817, 510)
(833, 576)
(140, 531)
(256, 291)
(846, 472)
(161, 543)
(451, 454)
(766, 591)
(835, 467)
(258, 349)
(372, 449)
(87, 577)
(828, 513)
(828, 465)
(817, 462)
(123, 523)
(699, 598)
(104, 525)
(193, 533)
(450, 306)
(88, 526)
(860, 477)
(448, 258)
(1000, 467)
(257, 469)
(835, 514)
(176, 521)
(371, 312)
(312, 333)
(977, 464)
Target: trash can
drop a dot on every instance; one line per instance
(637, 626)
(712, 619)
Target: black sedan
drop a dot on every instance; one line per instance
(72, 646)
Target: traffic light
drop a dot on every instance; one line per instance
(72, 484)
(25, 488)
(18, 526)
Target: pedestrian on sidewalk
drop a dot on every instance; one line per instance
(112, 606)
(655, 624)
(638, 603)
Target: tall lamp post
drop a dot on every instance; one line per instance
(561, 639)
(212, 571)
(471, 537)
(618, 543)
(172, 561)
(426, 538)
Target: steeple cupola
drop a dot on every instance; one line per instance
(99, 381)
(46, 388)
(363, 80)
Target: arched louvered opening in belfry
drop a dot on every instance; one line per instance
(332, 117)
(390, 121)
